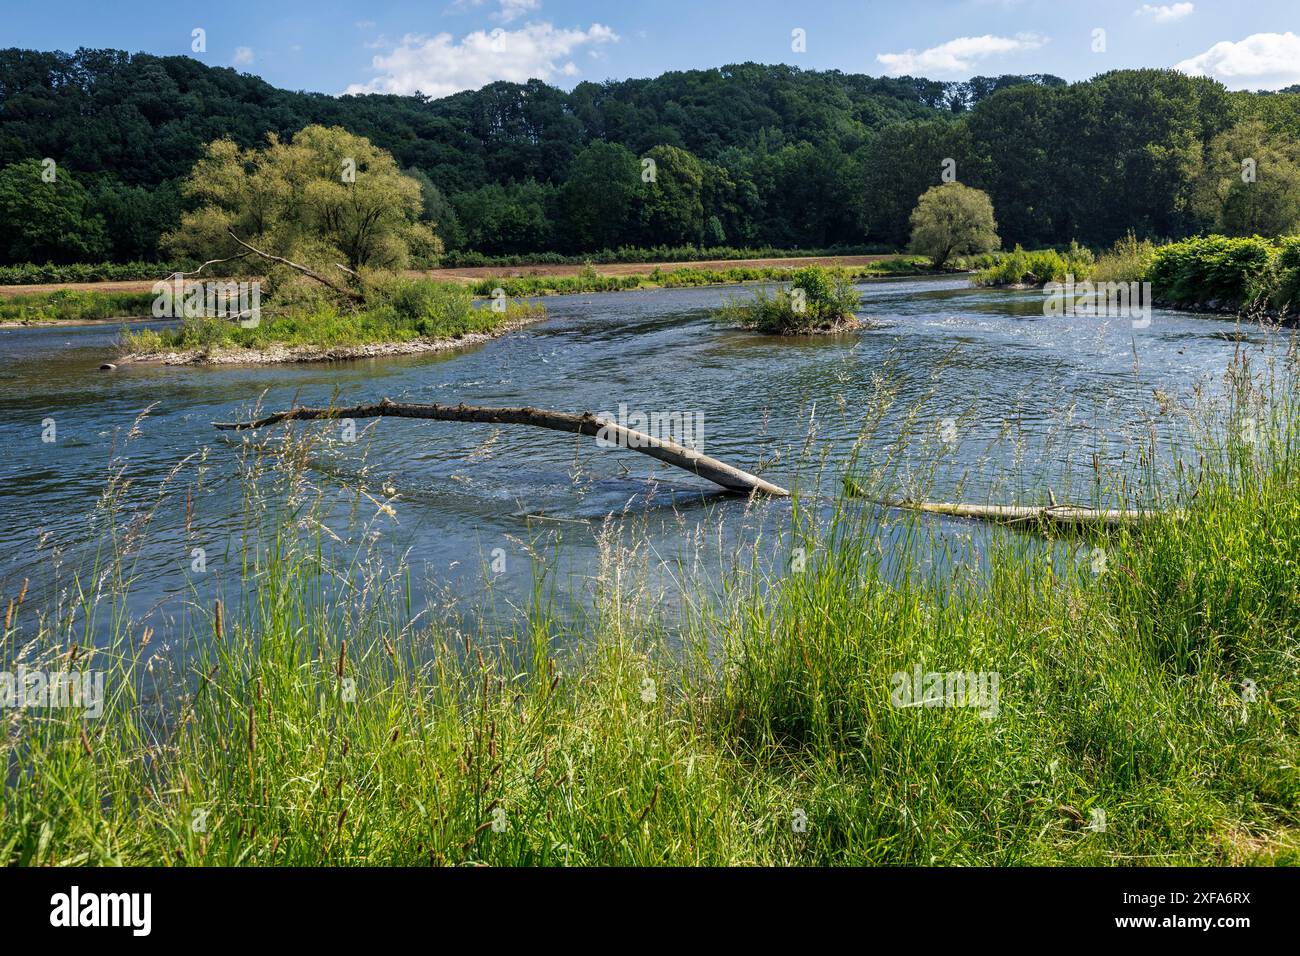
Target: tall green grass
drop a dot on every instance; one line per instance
(1128, 260)
(321, 719)
(68, 305)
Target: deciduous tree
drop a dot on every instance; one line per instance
(953, 220)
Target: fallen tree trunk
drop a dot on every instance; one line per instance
(671, 453)
(1065, 516)
(1052, 515)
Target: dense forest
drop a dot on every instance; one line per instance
(743, 155)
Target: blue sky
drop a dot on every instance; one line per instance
(439, 46)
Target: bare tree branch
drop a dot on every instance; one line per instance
(341, 290)
(210, 262)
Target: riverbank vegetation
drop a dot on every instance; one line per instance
(1128, 260)
(1242, 274)
(589, 280)
(400, 312)
(67, 305)
(1036, 267)
(1145, 710)
(632, 254)
(28, 273)
(1248, 275)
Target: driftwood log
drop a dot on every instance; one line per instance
(1064, 516)
(1051, 515)
(671, 453)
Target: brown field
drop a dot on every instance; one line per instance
(481, 272)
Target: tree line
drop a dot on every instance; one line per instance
(744, 155)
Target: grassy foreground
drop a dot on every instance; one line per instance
(321, 722)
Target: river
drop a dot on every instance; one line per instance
(1031, 400)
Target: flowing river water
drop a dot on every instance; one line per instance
(1031, 400)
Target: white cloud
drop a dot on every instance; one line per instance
(441, 65)
(957, 56)
(1261, 61)
(243, 56)
(514, 9)
(1165, 13)
(509, 9)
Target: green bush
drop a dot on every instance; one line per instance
(818, 299)
(1286, 291)
(1038, 267)
(1233, 272)
(977, 261)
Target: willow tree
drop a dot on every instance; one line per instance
(953, 220)
(327, 202)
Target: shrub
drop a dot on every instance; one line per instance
(1038, 267)
(817, 300)
(1234, 272)
(1127, 261)
(1286, 290)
